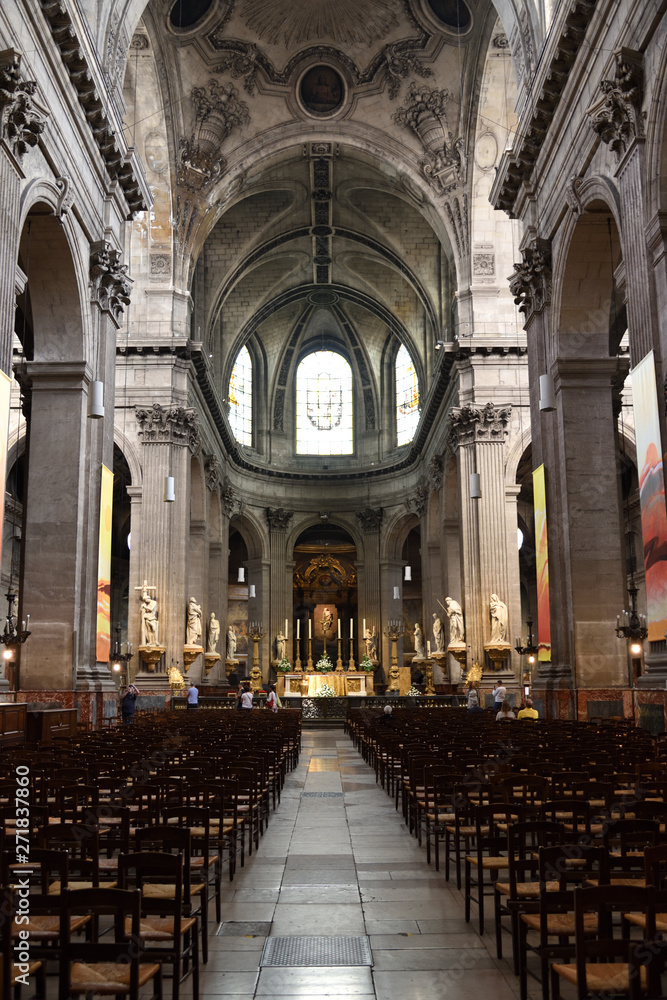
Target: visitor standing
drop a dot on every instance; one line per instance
(246, 697)
(193, 697)
(128, 704)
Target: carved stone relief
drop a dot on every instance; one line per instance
(616, 116)
(110, 284)
(370, 518)
(530, 284)
(425, 113)
(218, 110)
(22, 120)
(168, 425)
(278, 518)
(471, 424)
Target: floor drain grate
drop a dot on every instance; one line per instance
(316, 951)
(322, 795)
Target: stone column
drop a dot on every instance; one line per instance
(169, 436)
(135, 493)
(59, 523)
(585, 544)
(278, 521)
(260, 572)
(478, 434)
(391, 573)
(370, 604)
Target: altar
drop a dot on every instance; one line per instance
(344, 684)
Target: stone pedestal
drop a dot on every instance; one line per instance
(190, 654)
(210, 660)
(231, 666)
(151, 656)
(497, 653)
(439, 668)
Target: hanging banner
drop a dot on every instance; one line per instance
(542, 564)
(104, 569)
(5, 401)
(651, 494)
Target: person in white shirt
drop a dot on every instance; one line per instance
(246, 697)
(272, 699)
(499, 695)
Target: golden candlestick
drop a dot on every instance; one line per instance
(339, 661)
(394, 633)
(297, 661)
(352, 667)
(309, 665)
(256, 634)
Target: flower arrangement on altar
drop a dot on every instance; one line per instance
(367, 663)
(324, 664)
(325, 691)
(412, 692)
(284, 666)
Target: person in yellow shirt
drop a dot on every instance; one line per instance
(529, 712)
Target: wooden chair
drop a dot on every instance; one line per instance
(608, 963)
(13, 974)
(166, 934)
(490, 854)
(105, 967)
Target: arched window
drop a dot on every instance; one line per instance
(240, 397)
(407, 397)
(324, 405)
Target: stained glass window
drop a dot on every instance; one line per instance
(324, 405)
(240, 397)
(407, 397)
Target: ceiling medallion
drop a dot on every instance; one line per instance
(345, 22)
(323, 298)
(321, 90)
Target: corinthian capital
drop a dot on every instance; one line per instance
(616, 115)
(473, 424)
(530, 284)
(370, 518)
(168, 425)
(22, 121)
(278, 519)
(109, 280)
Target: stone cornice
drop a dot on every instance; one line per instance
(117, 162)
(516, 166)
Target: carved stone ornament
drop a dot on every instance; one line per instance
(436, 471)
(417, 503)
(211, 472)
(22, 120)
(425, 114)
(399, 62)
(218, 110)
(370, 518)
(278, 519)
(616, 116)
(168, 425)
(471, 424)
(110, 284)
(242, 63)
(228, 498)
(530, 284)
(66, 196)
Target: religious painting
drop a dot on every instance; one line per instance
(651, 494)
(104, 568)
(325, 619)
(542, 565)
(322, 90)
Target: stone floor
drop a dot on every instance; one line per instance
(337, 860)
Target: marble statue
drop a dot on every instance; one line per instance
(231, 643)
(281, 646)
(419, 641)
(255, 679)
(498, 619)
(394, 680)
(371, 642)
(213, 634)
(193, 630)
(455, 615)
(438, 634)
(148, 618)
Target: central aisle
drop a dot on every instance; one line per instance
(337, 860)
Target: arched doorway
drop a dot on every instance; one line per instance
(325, 580)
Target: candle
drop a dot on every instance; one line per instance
(428, 646)
(286, 634)
(351, 628)
(364, 626)
(298, 628)
(310, 629)
(23, 626)
(339, 628)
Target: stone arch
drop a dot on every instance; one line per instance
(253, 533)
(515, 453)
(343, 521)
(395, 533)
(130, 453)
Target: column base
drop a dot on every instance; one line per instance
(95, 678)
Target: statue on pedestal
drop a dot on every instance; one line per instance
(419, 642)
(231, 644)
(148, 617)
(371, 643)
(213, 634)
(438, 634)
(498, 619)
(281, 646)
(455, 615)
(193, 629)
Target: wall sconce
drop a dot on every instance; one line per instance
(475, 486)
(96, 400)
(241, 575)
(547, 395)
(169, 495)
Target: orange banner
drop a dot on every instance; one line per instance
(542, 564)
(104, 569)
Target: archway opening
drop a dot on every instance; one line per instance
(325, 591)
